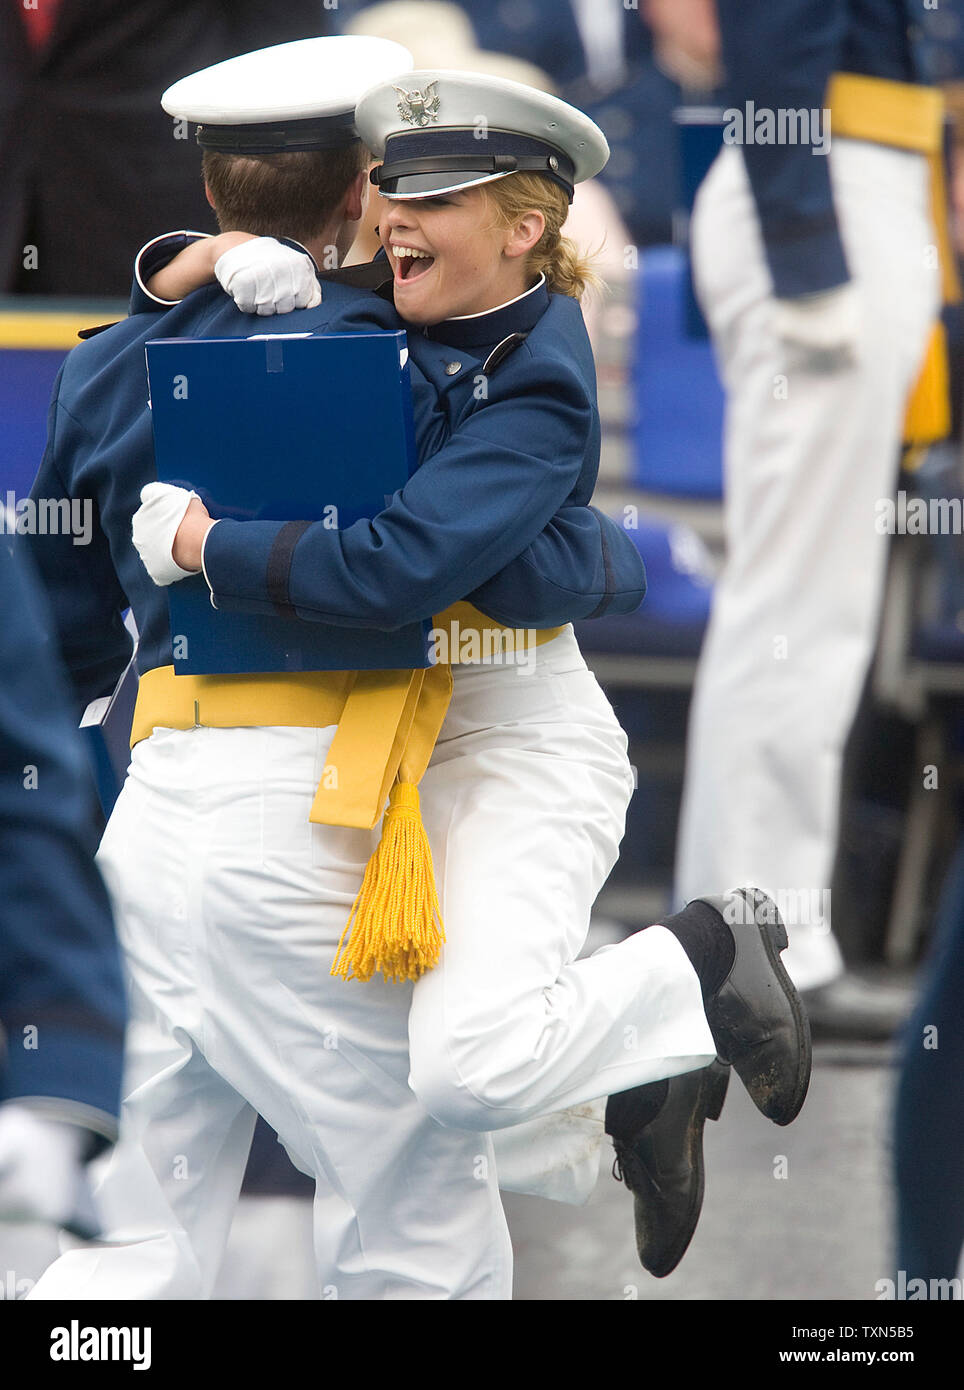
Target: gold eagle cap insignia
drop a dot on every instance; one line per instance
(419, 107)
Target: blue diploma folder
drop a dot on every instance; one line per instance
(283, 427)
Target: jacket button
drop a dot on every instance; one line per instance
(452, 368)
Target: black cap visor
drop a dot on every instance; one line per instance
(426, 164)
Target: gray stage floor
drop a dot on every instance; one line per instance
(821, 1231)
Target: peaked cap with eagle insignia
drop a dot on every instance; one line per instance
(438, 131)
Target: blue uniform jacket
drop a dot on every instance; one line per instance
(512, 448)
(61, 993)
(562, 561)
(780, 54)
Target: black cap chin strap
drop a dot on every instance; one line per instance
(548, 164)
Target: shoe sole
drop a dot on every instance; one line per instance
(716, 1079)
(774, 1105)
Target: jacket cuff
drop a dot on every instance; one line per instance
(151, 258)
(101, 1128)
(204, 570)
(236, 560)
(73, 1074)
(809, 261)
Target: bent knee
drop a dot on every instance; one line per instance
(440, 1088)
(462, 1092)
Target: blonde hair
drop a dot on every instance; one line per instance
(555, 256)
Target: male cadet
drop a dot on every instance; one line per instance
(817, 273)
(62, 1004)
(100, 447)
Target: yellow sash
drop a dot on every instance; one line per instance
(909, 117)
(388, 724)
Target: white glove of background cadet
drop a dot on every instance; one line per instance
(824, 327)
(154, 526)
(264, 277)
(43, 1176)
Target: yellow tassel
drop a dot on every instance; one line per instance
(396, 908)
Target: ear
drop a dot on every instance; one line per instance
(356, 198)
(209, 195)
(525, 234)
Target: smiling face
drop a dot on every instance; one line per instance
(450, 258)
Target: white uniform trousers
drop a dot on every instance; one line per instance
(230, 905)
(808, 454)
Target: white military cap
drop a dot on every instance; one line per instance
(440, 130)
(293, 96)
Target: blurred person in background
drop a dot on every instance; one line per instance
(817, 274)
(929, 1114)
(557, 36)
(89, 165)
(686, 44)
(62, 1006)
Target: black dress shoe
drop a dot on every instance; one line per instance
(756, 1016)
(662, 1165)
(853, 1009)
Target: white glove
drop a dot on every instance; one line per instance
(825, 327)
(154, 526)
(264, 277)
(42, 1173)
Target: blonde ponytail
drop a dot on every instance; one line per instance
(566, 269)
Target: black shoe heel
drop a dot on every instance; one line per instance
(766, 916)
(776, 934)
(717, 1081)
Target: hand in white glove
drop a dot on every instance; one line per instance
(264, 277)
(42, 1172)
(154, 527)
(825, 328)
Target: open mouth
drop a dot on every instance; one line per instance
(411, 263)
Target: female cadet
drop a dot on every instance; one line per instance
(523, 779)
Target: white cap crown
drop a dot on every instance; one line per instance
(292, 96)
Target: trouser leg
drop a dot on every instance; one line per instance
(404, 1209)
(525, 802)
(168, 1189)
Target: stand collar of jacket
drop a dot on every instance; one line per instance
(480, 330)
